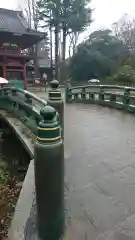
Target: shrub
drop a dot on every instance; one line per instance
(125, 74)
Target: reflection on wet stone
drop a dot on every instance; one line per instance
(100, 156)
(99, 169)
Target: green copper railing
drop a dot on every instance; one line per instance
(23, 105)
(26, 106)
(113, 96)
(45, 119)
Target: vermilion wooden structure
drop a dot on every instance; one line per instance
(16, 40)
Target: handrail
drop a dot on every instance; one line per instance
(25, 92)
(23, 105)
(27, 106)
(101, 86)
(104, 95)
(47, 145)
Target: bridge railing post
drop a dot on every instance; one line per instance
(55, 100)
(126, 98)
(14, 92)
(28, 99)
(49, 176)
(113, 98)
(83, 94)
(101, 94)
(67, 90)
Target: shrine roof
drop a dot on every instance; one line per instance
(14, 23)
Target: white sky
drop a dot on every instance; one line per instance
(108, 11)
(105, 12)
(8, 4)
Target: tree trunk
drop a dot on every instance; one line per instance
(64, 43)
(35, 48)
(57, 24)
(29, 14)
(56, 51)
(51, 51)
(35, 60)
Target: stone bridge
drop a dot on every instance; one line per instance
(99, 161)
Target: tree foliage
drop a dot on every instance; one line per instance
(125, 74)
(96, 57)
(74, 15)
(66, 17)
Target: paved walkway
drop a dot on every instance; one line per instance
(99, 173)
(100, 170)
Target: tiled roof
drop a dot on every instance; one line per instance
(12, 21)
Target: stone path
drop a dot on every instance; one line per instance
(99, 173)
(100, 170)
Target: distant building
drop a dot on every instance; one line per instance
(16, 39)
(44, 62)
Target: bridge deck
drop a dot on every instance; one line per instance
(100, 174)
(100, 170)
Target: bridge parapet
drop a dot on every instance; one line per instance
(26, 106)
(23, 105)
(44, 182)
(45, 123)
(119, 97)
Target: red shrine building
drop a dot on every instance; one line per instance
(16, 39)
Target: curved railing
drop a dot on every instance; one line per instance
(46, 173)
(113, 96)
(23, 105)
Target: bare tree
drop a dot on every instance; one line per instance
(125, 31)
(73, 39)
(31, 12)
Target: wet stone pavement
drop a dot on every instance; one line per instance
(100, 170)
(99, 173)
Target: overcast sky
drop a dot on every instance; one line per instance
(108, 11)
(105, 11)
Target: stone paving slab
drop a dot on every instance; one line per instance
(99, 170)
(101, 164)
(123, 231)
